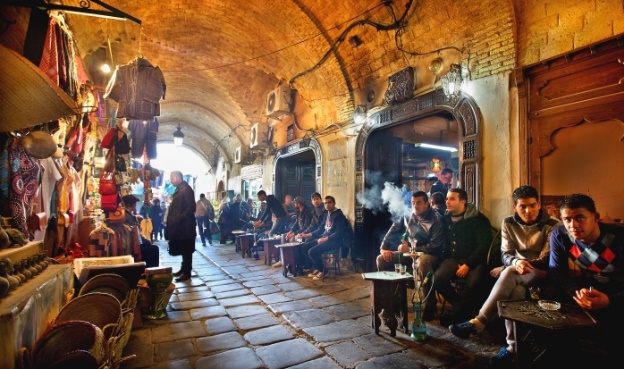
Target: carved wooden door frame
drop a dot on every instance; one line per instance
(468, 116)
(298, 148)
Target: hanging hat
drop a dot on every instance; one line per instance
(39, 144)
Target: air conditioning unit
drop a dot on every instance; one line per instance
(257, 136)
(278, 102)
(238, 155)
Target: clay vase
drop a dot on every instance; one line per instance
(31, 267)
(35, 262)
(18, 269)
(4, 272)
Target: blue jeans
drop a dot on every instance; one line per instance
(203, 226)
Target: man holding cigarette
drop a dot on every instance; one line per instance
(587, 266)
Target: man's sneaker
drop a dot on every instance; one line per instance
(463, 330)
(314, 273)
(277, 265)
(318, 276)
(504, 359)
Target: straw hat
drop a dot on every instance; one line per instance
(39, 144)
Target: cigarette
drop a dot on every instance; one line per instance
(591, 288)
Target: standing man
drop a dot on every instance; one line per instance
(273, 207)
(203, 214)
(525, 254)
(149, 252)
(444, 183)
(438, 202)
(587, 266)
(156, 214)
(424, 232)
(331, 232)
(181, 224)
(469, 237)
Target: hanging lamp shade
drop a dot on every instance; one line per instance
(27, 96)
(178, 136)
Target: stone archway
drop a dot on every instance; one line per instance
(468, 116)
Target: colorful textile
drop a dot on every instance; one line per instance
(24, 178)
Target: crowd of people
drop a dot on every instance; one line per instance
(577, 259)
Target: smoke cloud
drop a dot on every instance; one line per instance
(382, 196)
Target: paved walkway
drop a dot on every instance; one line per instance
(239, 313)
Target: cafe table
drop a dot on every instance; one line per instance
(236, 233)
(289, 256)
(270, 252)
(543, 328)
(388, 298)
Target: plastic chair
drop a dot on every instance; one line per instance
(331, 261)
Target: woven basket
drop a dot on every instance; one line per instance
(101, 309)
(65, 339)
(111, 283)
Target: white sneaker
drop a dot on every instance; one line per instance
(278, 264)
(318, 276)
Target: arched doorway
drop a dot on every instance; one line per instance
(380, 154)
(297, 170)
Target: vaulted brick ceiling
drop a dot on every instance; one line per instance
(221, 57)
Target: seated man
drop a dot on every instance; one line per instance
(331, 232)
(149, 252)
(587, 267)
(423, 229)
(469, 238)
(304, 218)
(525, 255)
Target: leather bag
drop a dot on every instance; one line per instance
(109, 202)
(118, 215)
(109, 138)
(107, 184)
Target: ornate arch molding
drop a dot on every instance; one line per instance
(298, 148)
(463, 108)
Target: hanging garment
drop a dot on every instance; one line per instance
(138, 88)
(24, 182)
(147, 228)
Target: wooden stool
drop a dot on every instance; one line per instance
(270, 252)
(331, 261)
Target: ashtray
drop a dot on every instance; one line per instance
(549, 305)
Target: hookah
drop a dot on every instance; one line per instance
(419, 328)
(254, 248)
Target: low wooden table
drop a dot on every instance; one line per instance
(270, 252)
(289, 256)
(245, 241)
(540, 334)
(237, 233)
(388, 293)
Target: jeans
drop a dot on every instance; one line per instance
(463, 305)
(203, 226)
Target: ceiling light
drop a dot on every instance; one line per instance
(178, 137)
(436, 147)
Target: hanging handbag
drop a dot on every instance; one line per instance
(107, 184)
(120, 164)
(118, 215)
(109, 138)
(109, 202)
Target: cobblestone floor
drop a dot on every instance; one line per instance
(242, 314)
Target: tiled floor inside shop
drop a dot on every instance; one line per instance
(240, 313)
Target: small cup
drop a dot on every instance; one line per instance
(403, 269)
(397, 268)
